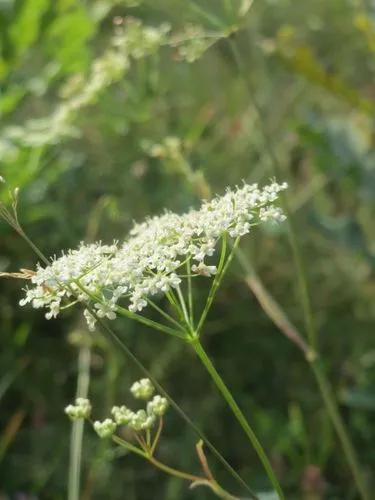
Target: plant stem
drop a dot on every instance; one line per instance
(183, 306)
(190, 293)
(113, 337)
(220, 384)
(76, 438)
(310, 327)
(334, 413)
(195, 480)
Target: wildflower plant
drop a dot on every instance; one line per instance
(143, 431)
(163, 256)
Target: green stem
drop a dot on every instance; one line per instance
(311, 331)
(195, 480)
(164, 314)
(76, 439)
(183, 306)
(238, 414)
(111, 335)
(190, 293)
(215, 284)
(334, 413)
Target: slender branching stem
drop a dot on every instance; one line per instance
(310, 327)
(227, 395)
(114, 338)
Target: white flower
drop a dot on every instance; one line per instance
(81, 409)
(203, 269)
(142, 389)
(106, 428)
(90, 320)
(157, 406)
(105, 311)
(152, 259)
(54, 309)
(273, 214)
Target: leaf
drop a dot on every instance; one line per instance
(26, 27)
(68, 39)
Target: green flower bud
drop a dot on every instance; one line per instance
(142, 389)
(106, 428)
(158, 406)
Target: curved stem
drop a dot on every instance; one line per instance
(195, 480)
(238, 414)
(174, 472)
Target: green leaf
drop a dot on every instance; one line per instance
(26, 27)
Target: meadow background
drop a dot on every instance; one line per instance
(95, 140)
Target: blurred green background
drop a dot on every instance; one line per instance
(96, 139)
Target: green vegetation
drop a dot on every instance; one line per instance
(112, 111)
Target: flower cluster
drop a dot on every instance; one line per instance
(142, 389)
(140, 420)
(81, 409)
(152, 260)
(106, 428)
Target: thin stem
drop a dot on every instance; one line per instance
(175, 305)
(129, 446)
(310, 327)
(183, 305)
(128, 314)
(157, 436)
(76, 439)
(111, 335)
(225, 392)
(174, 472)
(148, 322)
(114, 338)
(215, 284)
(164, 314)
(336, 418)
(190, 293)
(171, 471)
(221, 271)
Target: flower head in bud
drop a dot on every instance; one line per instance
(106, 428)
(2, 179)
(141, 421)
(122, 415)
(142, 389)
(81, 409)
(157, 406)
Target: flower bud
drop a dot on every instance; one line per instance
(122, 415)
(141, 421)
(158, 406)
(106, 428)
(81, 409)
(142, 389)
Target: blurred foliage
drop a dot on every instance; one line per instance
(102, 124)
